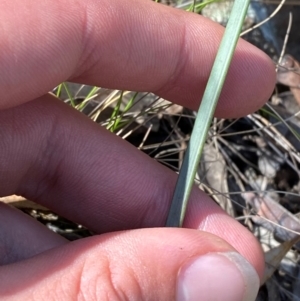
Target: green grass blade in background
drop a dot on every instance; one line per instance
(58, 91)
(69, 94)
(206, 111)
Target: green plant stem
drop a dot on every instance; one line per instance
(206, 111)
(69, 95)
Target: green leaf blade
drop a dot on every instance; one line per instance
(205, 114)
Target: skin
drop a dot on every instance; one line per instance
(59, 158)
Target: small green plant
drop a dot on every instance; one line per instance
(116, 118)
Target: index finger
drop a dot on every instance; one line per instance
(123, 44)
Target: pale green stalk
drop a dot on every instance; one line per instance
(93, 91)
(115, 113)
(69, 94)
(87, 98)
(206, 111)
(58, 91)
(118, 122)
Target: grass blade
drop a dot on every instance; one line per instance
(206, 111)
(69, 94)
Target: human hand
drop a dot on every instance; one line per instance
(59, 158)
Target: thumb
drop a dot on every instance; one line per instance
(144, 264)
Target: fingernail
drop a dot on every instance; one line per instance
(217, 276)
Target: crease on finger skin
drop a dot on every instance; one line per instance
(175, 77)
(22, 237)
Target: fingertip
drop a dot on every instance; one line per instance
(249, 84)
(213, 274)
(209, 217)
